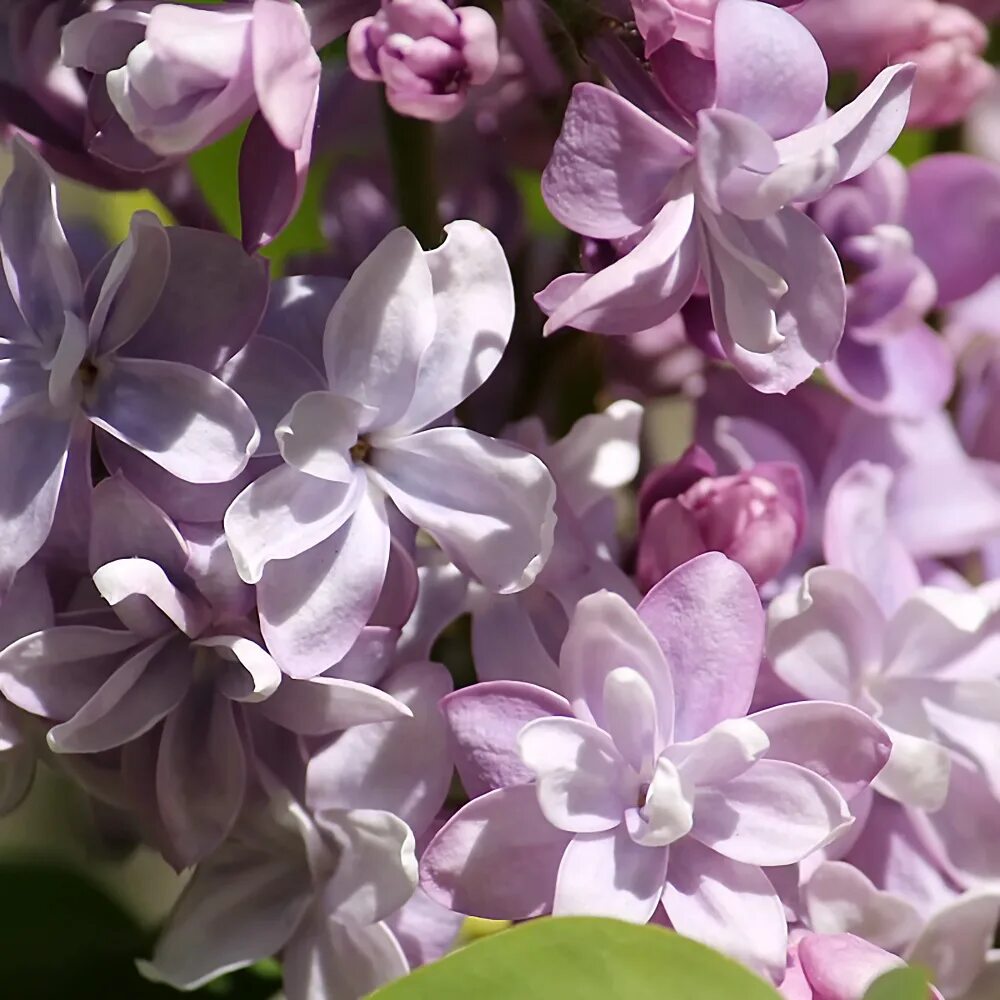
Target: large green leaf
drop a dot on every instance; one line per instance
(909, 983)
(585, 958)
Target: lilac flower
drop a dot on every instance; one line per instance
(332, 890)
(410, 337)
(517, 636)
(889, 361)
(835, 967)
(426, 52)
(755, 517)
(953, 938)
(105, 355)
(719, 199)
(170, 79)
(177, 678)
(646, 783)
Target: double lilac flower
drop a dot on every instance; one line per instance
(716, 199)
(646, 784)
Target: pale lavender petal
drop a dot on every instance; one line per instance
(317, 434)
(201, 775)
(380, 327)
(340, 961)
(286, 70)
(768, 67)
(604, 634)
(33, 447)
(402, 765)
(145, 688)
(146, 601)
(714, 665)
(425, 930)
(610, 166)
(726, 905)
(283, 514)
(41, 270)
(240, 906)
(474, 306)
(132, 286)
(609, 875)
(483, 723)
(314, 607)
(858, 538)
(250, 675)
(376, 869)
(125, 523)
(506, 642)
(500, 831)
(581, 779)
(318, 706)
(824, 639)
(251, 374)
(53, 673)
(182, 418)
(487, 503)
(837, 742)
(842, 964)
(738, 818)
(862, 131)
(215, 293)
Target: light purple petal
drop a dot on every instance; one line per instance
(581, 779)
(500, 831)
(145, 688)
(609, 875)
(314, 607)
(376, 870)
(605, 633)
(285, 513)
(40, 267)
(33, 447)
(53, 673)
(738, 818)
(380, 327)
(838, 742)
(862, 131)
(474, 306)
(317, 434)
(714, 665)
(182, 418)
(201, 775)
(487, 503)
(726, 905)
(215, 293)
(132, 286)
(249, 674)
(239, 907)
(768, 67)
(402, 765)
(823, 640)
(286, 70)
(483, 723)
(842, 964)
(610, 166)
(858, 538)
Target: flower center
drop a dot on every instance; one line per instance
(360, 450)
(87, 373)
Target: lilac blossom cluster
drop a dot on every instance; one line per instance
(298, 579)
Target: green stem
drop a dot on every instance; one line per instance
(411, 152)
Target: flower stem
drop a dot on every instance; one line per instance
(411, 152)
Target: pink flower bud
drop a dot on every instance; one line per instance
(755, 517)
(426, 53)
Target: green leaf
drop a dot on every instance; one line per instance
(585, 958)
(908, 983)
(912, 145)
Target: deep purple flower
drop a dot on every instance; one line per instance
(755, 517)
(427, 53)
